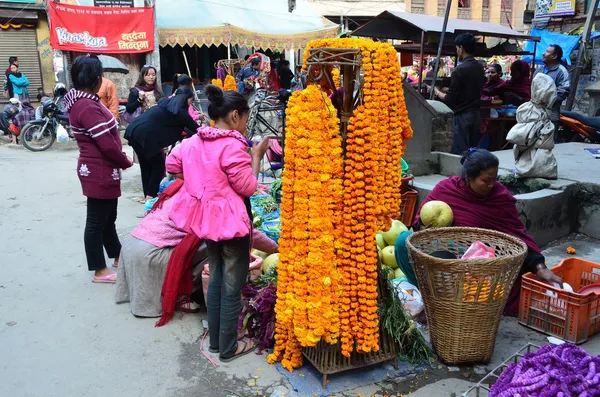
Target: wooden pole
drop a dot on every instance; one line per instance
(187, 65)
(576, 72)
(421, 62)
(440, 46)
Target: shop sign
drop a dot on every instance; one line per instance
(101, 29)
(114, 3)
(554, 8)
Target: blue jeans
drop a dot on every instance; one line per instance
(229, 261)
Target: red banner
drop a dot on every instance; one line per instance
(103, 30)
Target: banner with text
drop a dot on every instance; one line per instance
(554, 8)
(103, 30)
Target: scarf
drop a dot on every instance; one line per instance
(496, 211)
(178, 279)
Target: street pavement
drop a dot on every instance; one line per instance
(61, 335)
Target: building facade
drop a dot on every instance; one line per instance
(502, 12)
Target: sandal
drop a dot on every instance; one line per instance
(249, 347)
(189, 307)
(108, 279)
(215, 351)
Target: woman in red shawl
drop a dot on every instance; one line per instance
(494, 81)
(517, 90)
(478, 200)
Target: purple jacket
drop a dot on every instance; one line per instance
(101, 156)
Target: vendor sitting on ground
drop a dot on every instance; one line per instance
(478, 200)
(145, 257)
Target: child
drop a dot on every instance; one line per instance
(219, 176)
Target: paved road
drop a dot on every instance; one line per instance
(61, 335)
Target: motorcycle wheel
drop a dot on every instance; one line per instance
(37, 138)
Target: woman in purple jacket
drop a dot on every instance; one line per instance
(101, 160)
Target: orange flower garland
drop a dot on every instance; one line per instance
(330, 212)
(307, 287)
(230, 84)
(217, 82)
(335, 75)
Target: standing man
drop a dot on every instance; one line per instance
(553, 68)
(109, 97)
(464, 95)
(7, 86)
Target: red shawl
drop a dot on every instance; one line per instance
(490, 87)
(520, 86)
(178, 279)
(497, 211)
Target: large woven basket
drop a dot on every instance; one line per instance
(464, 299)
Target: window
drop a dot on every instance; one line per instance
(464, 3)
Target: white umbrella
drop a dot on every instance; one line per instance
(112, 64)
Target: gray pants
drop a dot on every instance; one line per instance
(228, 261)
(466, 131)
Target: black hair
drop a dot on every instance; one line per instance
(255, 61)
(180, 80)
(178, 102)
(222, 103)
(558, 51)
(466, 41)
(474, 161)
(246, 57)
(497, 67)
(86, 72)
(142, 83)
(12, 60)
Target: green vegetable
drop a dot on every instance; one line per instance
(267, 204)
(275, 188)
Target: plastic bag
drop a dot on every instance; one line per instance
(479, 250)
(62, 136)
(410, 297)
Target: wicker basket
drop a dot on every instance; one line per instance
(464, 299)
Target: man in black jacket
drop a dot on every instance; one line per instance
(464, 95)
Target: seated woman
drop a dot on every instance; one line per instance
(146, 253)
(494, 81)
(517, 90)
(478, 200)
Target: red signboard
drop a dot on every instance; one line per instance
(103, 30)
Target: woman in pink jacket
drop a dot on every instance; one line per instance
(219, 176)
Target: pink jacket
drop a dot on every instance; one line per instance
(217, 171)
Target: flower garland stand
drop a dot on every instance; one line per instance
(326, 358)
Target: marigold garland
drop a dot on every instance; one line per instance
(217, 82)
(307, 288)
(230, 84)
(332, 208)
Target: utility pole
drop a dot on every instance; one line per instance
(439, 52)
(585, 37)
(153, 58)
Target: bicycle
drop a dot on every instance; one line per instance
(258, 125)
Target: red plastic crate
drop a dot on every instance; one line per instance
(569, 316)
(408, 207)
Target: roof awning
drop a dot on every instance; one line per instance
(253, 23)
(405, 26)
(338, 8)
(16, 16)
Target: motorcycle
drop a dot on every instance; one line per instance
(579, 128)
(39, 135)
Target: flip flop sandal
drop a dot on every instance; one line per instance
(213, 351)
(244, 351)
(108, 279)
(115, 264)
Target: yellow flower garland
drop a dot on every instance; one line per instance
(230, 84)
(307, 293)
(332, 208)
(217, 82)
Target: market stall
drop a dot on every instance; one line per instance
(227, 26)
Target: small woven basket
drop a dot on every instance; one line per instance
(464, 299)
